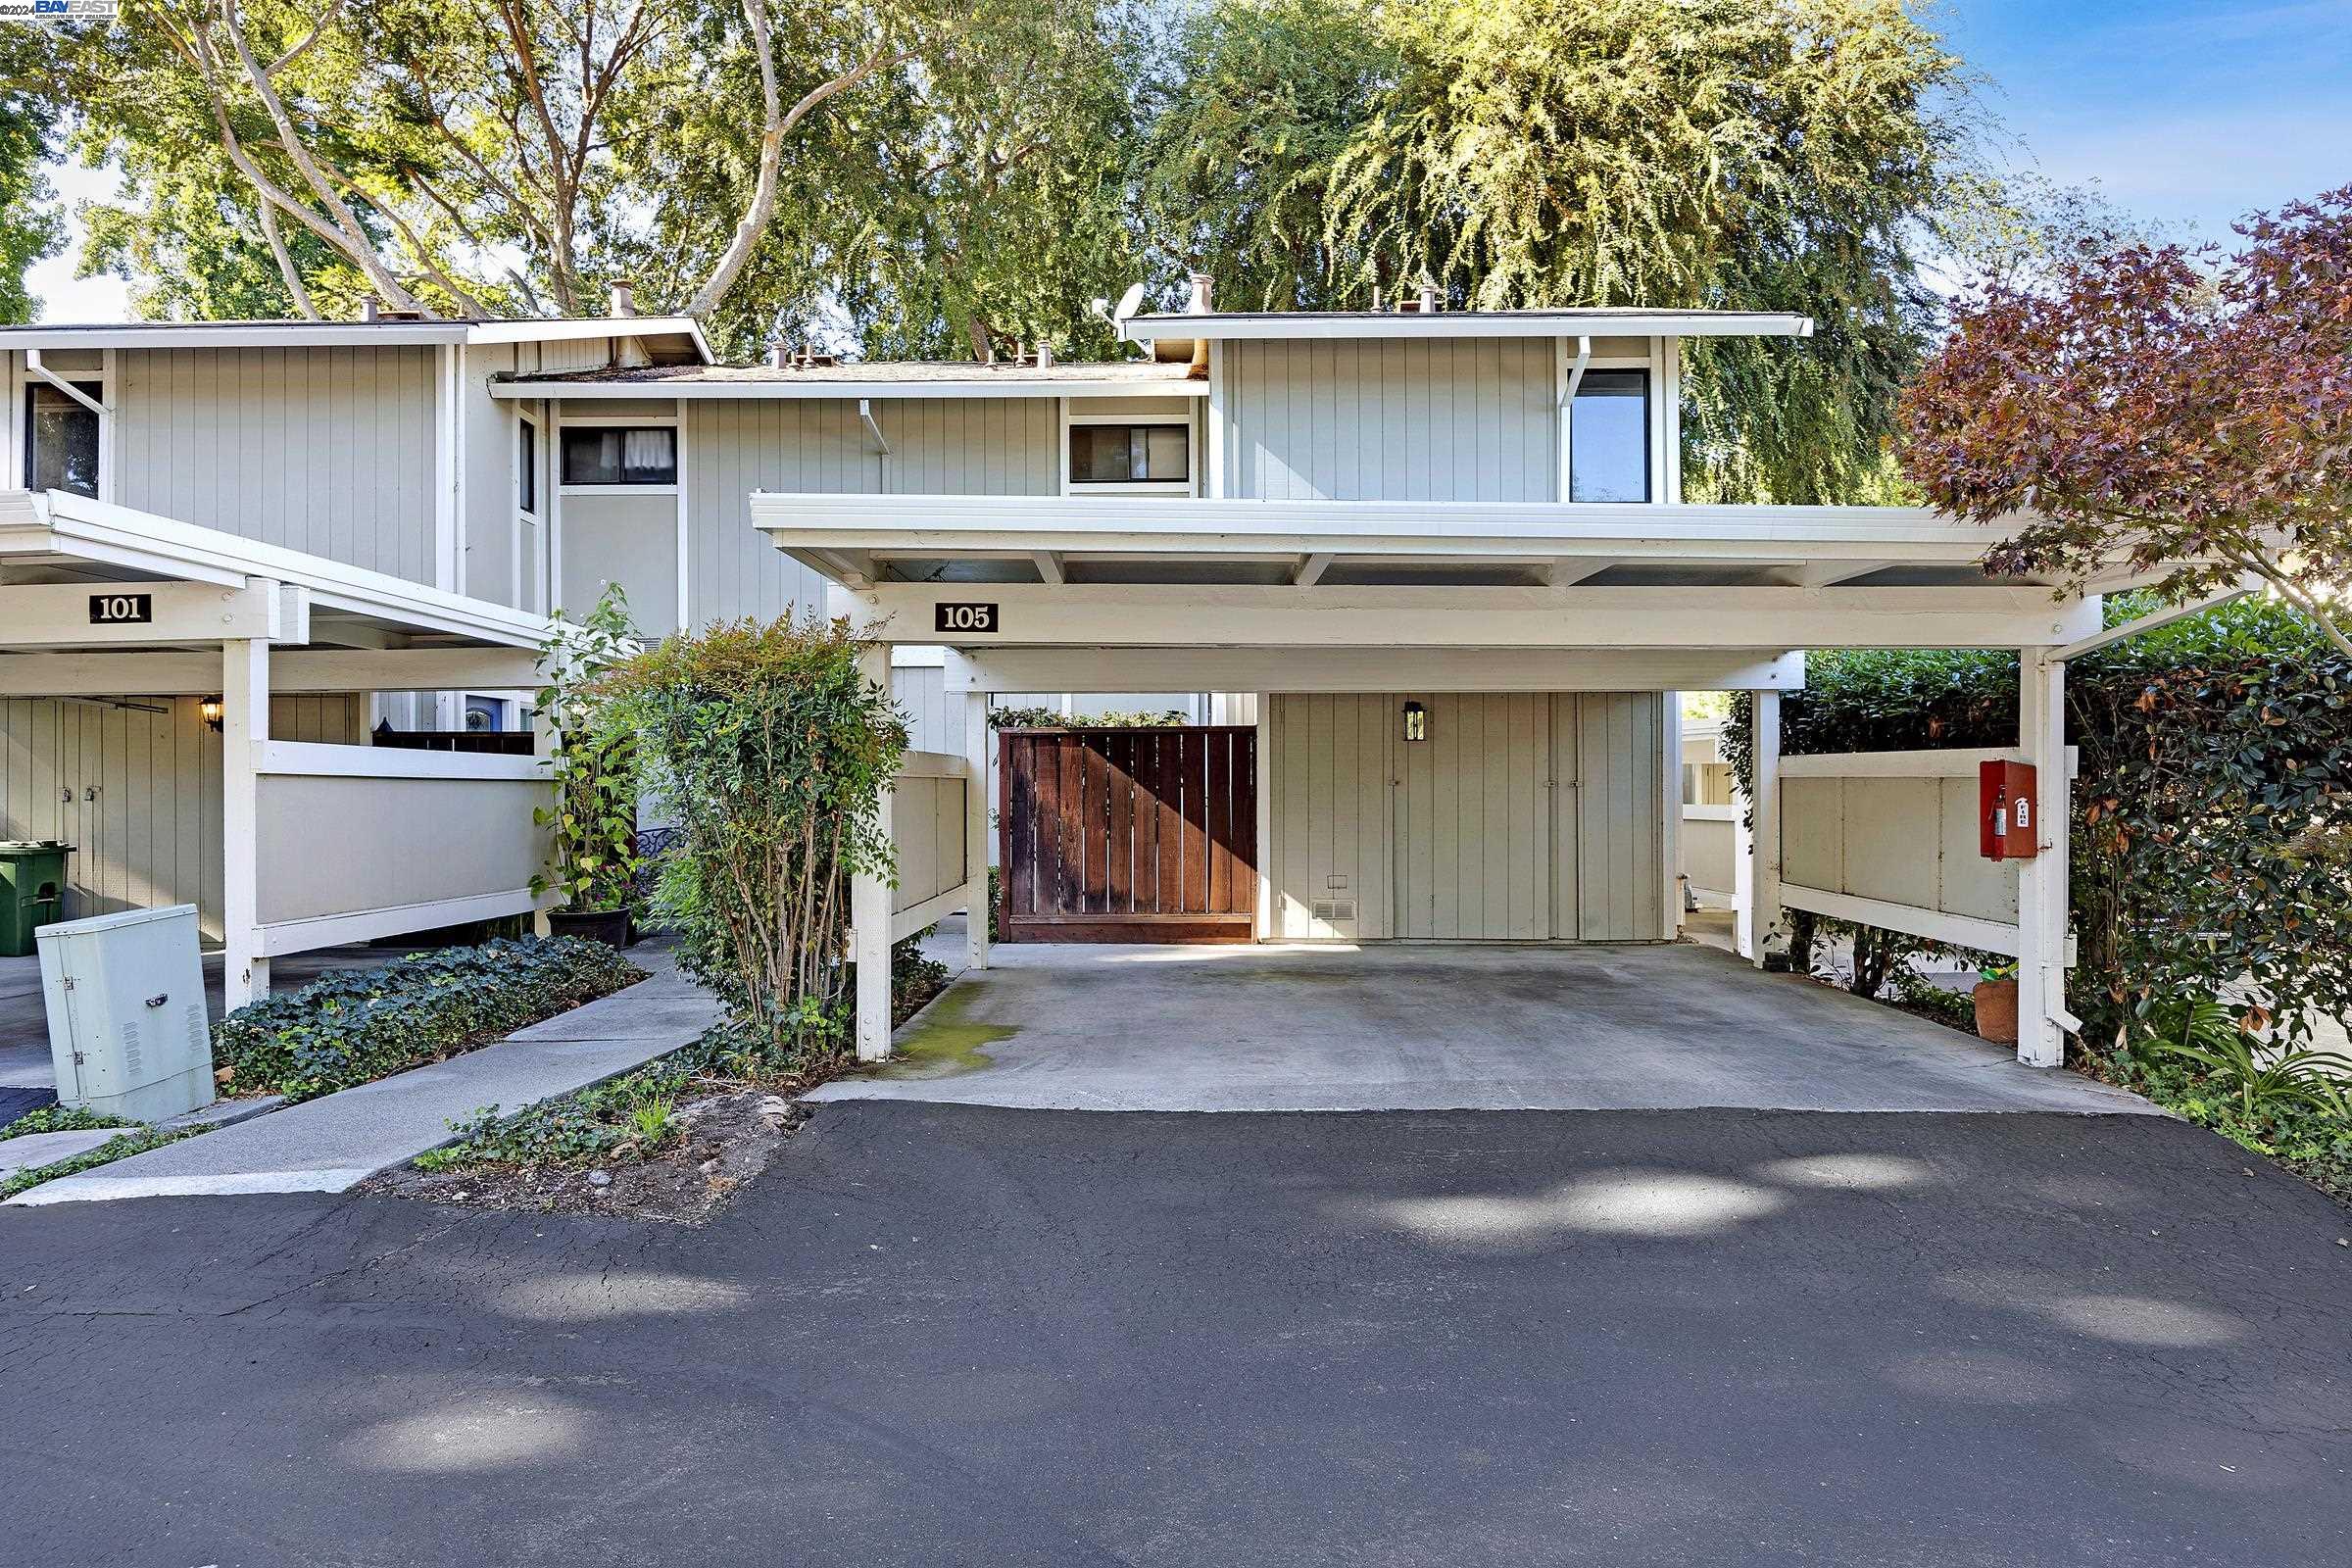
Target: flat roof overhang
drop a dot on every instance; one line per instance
(1137, 570)
(360, 630)
(685, 331)
(1595, 322)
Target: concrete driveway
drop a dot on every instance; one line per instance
(1436, 1027)
(955, 1334)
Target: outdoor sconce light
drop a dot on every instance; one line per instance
(1416, 723)
(209, 710)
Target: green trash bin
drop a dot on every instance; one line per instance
(32, 892)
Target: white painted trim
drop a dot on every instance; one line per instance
(321, 760)
(906, 922)
(977, 776)
(244, 734)
(348, 334)
(292, 670)
(365, 925)
(2155, 618)
(554, 564)
(58, 614)
(623, 422)
(2043, 882)
(619, 489)
(1766, 931)
(1326, 669)
(1220, 483)
(1957, 761)
(1693, 813)
(927, 656)
(1279, 615)
(1667, 393)
(1670, 815)
(975, 386)
(1235, 326)
(869, 909)
(685, 603)
(933, 765)
(1261, 750)
(1934, 925)
(54, 524)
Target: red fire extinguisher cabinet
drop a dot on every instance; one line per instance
(2005, 808)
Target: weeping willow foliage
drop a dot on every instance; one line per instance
(1526, 153)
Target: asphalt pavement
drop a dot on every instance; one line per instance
(938, 1334)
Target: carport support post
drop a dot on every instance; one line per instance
(2044, 885)
(244, 731)
(869, 907)
(975, 829)
(1766, 933)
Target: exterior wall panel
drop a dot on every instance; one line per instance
(1390, 420)
(328, 450)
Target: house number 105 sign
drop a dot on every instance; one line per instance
(966, 617)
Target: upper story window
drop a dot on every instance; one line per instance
(621, 455)
(1608, 437)
(61, 439)
(1153, 455)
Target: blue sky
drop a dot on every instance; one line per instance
(2188, 112)
(2184, 111)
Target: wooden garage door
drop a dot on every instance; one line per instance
(1128, 835)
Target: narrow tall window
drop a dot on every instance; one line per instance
(1608, 437)
(526, 467)
(61, 440)
(642, 455)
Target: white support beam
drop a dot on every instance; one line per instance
(2043, 882)
(975, 828)
(1827, 573)
(1566, 571)
(1371, 670)
(2153, 619)
(132, 614)
(1048, 566)
(292, 671)
(870, 912)
(1311, 570)
(1276, 616)
(244, 733)
(1768, 928)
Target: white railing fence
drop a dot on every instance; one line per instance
(939, 865)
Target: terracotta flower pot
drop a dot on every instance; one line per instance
(1996, 1011)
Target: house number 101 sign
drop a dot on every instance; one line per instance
(122, 609)
(966, 617)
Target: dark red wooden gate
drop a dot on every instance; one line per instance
(1128, 835)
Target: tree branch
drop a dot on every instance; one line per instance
(285, 261)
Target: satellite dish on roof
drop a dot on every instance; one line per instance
(1129, 303)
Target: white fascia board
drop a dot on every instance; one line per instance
(1016, 525)
(836, 391)
(74, 528)
(1281, 616)
(1373, 669)
(1238, 325)
(236, 335)
(573, 329)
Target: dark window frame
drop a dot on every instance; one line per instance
(526, 462)
(35, 391)
(643, 480)
(1607, 375)
(1131, 427)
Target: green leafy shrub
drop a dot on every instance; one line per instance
(592, 765)
(1055, 719)
(353, 1026)
(61, 1119)
(771, 748)
(615, 1122)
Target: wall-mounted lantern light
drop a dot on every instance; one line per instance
(1416, 723)
(209, 710)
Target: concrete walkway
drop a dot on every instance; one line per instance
(340, 1140)
(1438, 1027)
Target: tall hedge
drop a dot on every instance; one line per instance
(2212, 815)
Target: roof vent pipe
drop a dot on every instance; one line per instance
(624, 298)
(779, 355)
(1044, 355)
(369, 307)
(1429, 296)
(1197, 305)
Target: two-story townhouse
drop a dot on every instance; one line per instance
(1436, 562)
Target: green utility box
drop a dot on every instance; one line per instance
(32, 892)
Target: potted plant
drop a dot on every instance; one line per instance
(1996, 1003)
(592, 855)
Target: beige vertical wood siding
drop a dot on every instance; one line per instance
(328, 450)
(1523, 817)
(151, 833)
(1391, 420)
(981, 446)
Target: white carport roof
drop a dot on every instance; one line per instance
(1163, 572)
(360, 630)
